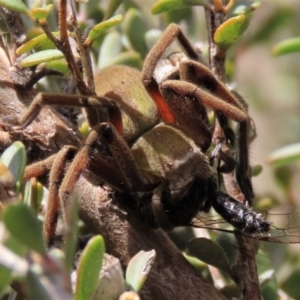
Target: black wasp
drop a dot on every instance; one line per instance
(278, 225)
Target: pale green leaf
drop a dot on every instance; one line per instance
(230, 31)
(89, 268)
(41, 57)
(288, 46)
(100, 28)
(139, 268)
(15, 5)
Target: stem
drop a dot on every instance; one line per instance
(245, 267)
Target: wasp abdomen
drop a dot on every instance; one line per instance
(238, 215)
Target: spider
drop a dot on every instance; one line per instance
(160, 165)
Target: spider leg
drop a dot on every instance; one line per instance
(197, 121)
(64, 156)
(174, 91)
(122, 174)
(42, 99)
(56, 164)
(169, 35)
(199, 74)
(39, 168)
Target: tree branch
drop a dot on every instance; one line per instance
(171, 276)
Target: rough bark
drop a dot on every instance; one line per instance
(171, 276)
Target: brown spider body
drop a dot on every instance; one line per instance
(186, 178)
(139, 112)
(131, 153)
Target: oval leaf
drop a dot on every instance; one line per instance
(112, 283)
(151, 37)
(41, 13)
(209, 252)
(287, 46)
(129, 58)
(135, 27)
(15, 5)
(231, 291)
(33, 194)
(285, 155)
(256, 170)
(15, 159)
(291, 284)
(100, 28)
(35, 42)
(111, 47)
(138, 269)
(24, 226)
(228, 33)
(59, 65)
(71, 234)
(169, 5)
(41, 57)
(112, 7)
(5, 279)
(35, 288)
(89, 268)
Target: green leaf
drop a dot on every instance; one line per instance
(35, 42)
(139, 268)
(24, 226)
(209, 252)
(135, 28)
(35, 288)
(129, 58)
(195, 262)
(111, 47)
(15, 5)
(287, 46)
(41, 13)
(33, 194)
(169, 5)
(285, 155)
(14, 245)
(230, 31)
(111, 283)
(231, 291)
(100, 28)
(291, 285)
(284, 175)
(256, 170)
(151, 37)
(5, 279)
(15, 159)
(89, 268)
(245, 8)
(41, 57)
(112, 7)
(71, 233)
(59, 65)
